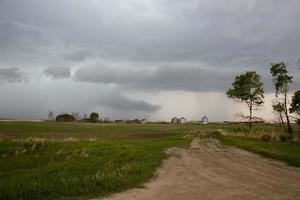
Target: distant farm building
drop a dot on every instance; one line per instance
(204, 119)
(176, 120)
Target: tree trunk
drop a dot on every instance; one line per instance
(250, 118)
(289, 126)
(282, 122)
(290, 129)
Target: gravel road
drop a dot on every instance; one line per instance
(208, 170)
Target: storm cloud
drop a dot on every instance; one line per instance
(143, 48)
(12, 75)
(220, 33)
(170, 78)
(160, 78)
(123, 103)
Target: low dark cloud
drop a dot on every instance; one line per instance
(159, 78)
(58, 72)
(12, 75)
(120, 102)
(186, 77)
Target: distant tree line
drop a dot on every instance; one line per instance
(91, 118)
(65, 117)
(248, 88)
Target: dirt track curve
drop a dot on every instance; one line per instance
(208, 170)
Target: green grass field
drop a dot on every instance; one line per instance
(40, 160)
(103, 131)
(48, 160)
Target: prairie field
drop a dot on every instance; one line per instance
(41, 160)
(48, 160)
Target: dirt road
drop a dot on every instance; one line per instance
(208, 170)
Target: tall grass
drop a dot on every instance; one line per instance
(288, 151)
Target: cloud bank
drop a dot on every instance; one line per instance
(160, 78)
(120, 102)
(12, 75)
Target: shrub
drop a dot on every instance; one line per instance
(283, 138)
(94, 117)
(65, 118)
(265, 138)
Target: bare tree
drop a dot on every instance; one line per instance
(85, 116)
(51, 115)
(76, 116)
(247, 117)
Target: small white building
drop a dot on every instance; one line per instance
(176, 120)
(182, 120)
(204, 119)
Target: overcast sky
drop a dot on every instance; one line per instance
(135, 58)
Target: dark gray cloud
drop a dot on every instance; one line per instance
(220, 33)
(58, 72)
(63, 97)
(172, 77)
(117, 101)
(12, 75)
(159, 78)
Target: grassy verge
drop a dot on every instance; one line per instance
(43, 168)
(288, 152)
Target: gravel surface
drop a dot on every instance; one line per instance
(208, 170)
